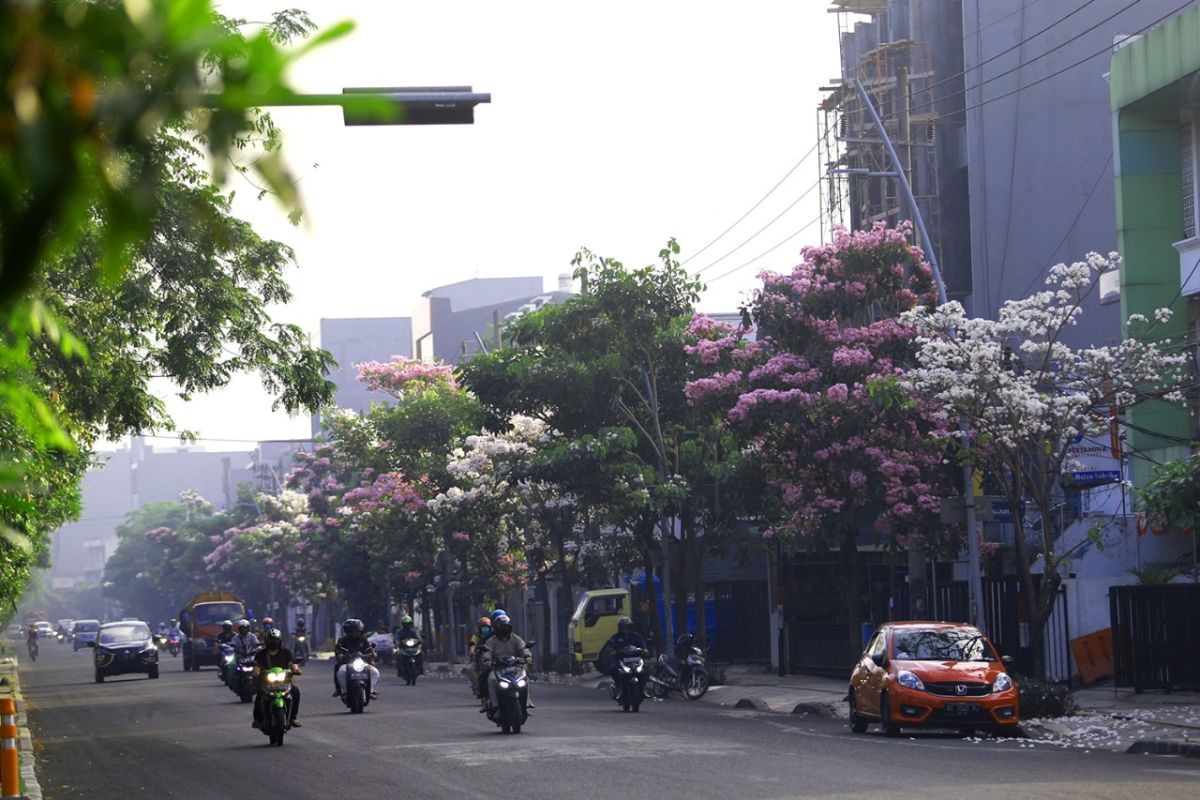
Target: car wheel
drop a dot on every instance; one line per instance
(99, 676)
(967, 732)
(857, 723)
(890, 729)
(153, 672)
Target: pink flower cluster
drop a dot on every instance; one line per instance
(402, 376)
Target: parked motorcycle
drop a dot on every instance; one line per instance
(300, 650)
(687, 674)
(357, 692)
(278, 704)
(407, 656)
(512, 693)
(630, 684)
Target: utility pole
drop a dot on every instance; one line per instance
(974, 571)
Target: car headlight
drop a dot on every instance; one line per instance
(909, 680)
(358, 665)
(1003, 683)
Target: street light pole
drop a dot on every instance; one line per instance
(974, 571)
(401, 105)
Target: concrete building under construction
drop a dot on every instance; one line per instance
(907, 56)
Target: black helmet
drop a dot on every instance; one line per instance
(273, 638)
(352, 625)
(625, 625)
(502, 625)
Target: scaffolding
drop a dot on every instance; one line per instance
(898, 76)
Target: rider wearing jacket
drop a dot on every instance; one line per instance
(353, 642)
(245, 643)
(274, 654)
(625, 636)
(483, 632)
(409, 631)
(503, 644)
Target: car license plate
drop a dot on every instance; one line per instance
(962, 708)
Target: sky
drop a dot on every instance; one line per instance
(612, 126)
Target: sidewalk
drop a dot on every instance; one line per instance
(758, 688)
(10, 684)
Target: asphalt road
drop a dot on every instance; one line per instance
(185, 735)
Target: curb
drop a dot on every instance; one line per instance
(28, 764)
(1158, 747)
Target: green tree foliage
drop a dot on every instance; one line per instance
(1172, 495)
(118, 262)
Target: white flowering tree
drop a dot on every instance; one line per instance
(1024, 396)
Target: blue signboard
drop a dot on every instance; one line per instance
(1000, 511)
(1095, 477)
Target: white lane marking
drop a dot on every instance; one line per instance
(586, 748)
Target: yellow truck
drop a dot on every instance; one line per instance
(595, 621)
(201, 622)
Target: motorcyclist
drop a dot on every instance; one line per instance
(353, 642)
(274, 654)
(173, 628)
(483, 631)
(226, 635)
(245, 643)
(625, 636)
(301, 628)
(482, 692)
(31, 640)
(409, 631)
(503, 644)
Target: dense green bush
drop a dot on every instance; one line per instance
(1041, 699)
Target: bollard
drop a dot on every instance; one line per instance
(10, 773)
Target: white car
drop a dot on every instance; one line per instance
(44, 629)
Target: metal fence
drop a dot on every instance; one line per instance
(1156, 636)
(1006, 618)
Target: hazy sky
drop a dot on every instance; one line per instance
(612, 125)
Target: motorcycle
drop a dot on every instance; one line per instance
(406, 660)
(277, 710)
(33, 649)
(226, 663)
(174, 643)
(512, 693)
(687, 675)
(357, 694)
(300, 651)
(60, 637)
(630, 684)
(242, 679)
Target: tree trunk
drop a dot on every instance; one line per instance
(850, 562)
(547, 652)
(695, 576)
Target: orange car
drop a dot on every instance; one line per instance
(932, 674)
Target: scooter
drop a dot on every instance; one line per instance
(512, 693)
(242, 682)
(407, 659)
(687, 675)
(300, 651)
(226, 664)
(630, 684)
(174, 642)
(357, 694)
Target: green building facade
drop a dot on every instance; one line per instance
(1155, 90)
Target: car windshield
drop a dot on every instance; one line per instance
(216, 613)
(87, 627)
(132, 632)
(946, 644)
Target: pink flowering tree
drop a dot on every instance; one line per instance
(816, 394)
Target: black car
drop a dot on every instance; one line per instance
(123, 647)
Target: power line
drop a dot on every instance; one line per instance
(1018, 45)
(768, 251)
(996, 22)
(1106, 49)
(1086, 202)
(761, 200)
(755, 235)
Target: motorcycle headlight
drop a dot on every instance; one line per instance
(274, 677)
(358, 665)
(521, 683)
(624, 668)
(695, 659)
(301, 638)
(1002, 683)
(909, 680)
(502, 684)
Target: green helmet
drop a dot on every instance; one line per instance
(406, 620)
